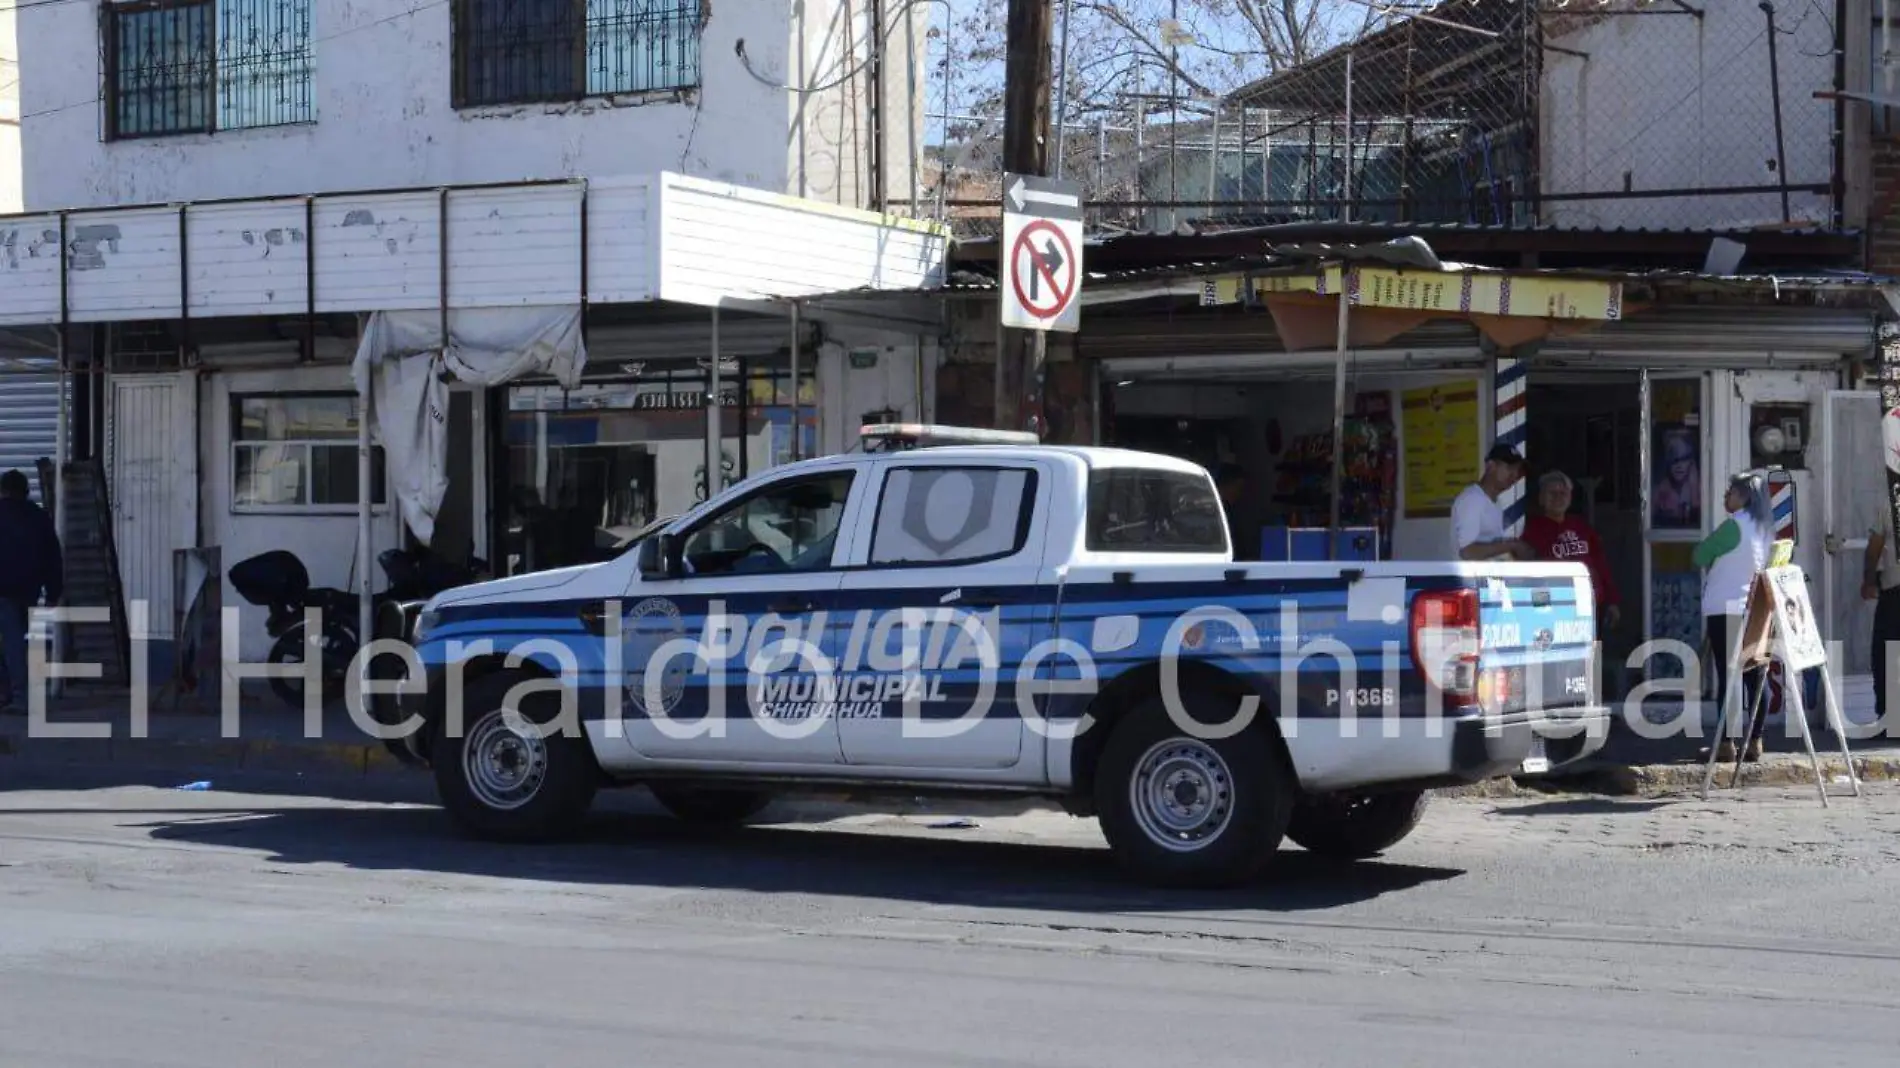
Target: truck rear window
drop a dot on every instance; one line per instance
(1132, 509)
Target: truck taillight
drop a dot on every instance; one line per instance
(1445, 641)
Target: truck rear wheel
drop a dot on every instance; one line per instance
(1355, 826)
(714, 806)
(515, 777)
(1183, 810)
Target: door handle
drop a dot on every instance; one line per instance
(791, 605)
(983, 599)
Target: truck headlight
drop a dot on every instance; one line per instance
(426, 621)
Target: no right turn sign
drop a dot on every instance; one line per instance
(1041, 254)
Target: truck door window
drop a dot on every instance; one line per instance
(791, 526)
(928, 515)
(1133, 509)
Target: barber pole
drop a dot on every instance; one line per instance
(1781, 499)
(1508, 387)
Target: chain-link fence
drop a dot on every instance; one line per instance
(1611, 113)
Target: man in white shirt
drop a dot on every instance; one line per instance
(1477, 522)
(1880, 583)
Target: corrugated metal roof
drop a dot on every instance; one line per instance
(1243, 227)
(1262, 224)
(976, 279)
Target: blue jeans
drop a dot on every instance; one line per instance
(13, 624)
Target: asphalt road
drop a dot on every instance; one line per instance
(145, 926)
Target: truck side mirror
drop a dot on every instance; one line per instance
(660, 557)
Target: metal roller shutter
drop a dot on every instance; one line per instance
(29, 421)
(1717, 337)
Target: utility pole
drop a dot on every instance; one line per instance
(1026, 70)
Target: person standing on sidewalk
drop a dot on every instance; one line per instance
(1557, 535)
(1734, 553)
(31, 564)
(1477, 520)
(1880, 583)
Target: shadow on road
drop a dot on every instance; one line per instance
(656, 851)
(1583, 806)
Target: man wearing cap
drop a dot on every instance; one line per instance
(1477, 522)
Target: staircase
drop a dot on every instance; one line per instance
(92, 574)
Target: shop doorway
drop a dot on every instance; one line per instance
(1637, 446)
(1589, 426)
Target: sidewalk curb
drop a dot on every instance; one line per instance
(206, 754)
(1784, 770)
(371, 758)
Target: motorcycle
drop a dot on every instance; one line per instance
(277, 580)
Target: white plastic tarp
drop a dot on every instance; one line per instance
(409, 392)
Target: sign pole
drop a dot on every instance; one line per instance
(1040, 256)
(1339, 410)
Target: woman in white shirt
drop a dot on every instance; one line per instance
(1734, 553)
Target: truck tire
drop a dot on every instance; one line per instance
(524, 780)
(1185, 811)
(712, 806)
(1355, 826)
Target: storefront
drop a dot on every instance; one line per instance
(516, 372)
(1647, 414)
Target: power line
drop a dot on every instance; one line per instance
(27, 5)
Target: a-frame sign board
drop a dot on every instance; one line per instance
(1779, 626)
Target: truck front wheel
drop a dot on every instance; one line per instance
(1355, 826)
(1183, 808)
(511, 770)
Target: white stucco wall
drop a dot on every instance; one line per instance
(846, 393)
(1677, 102)
(326, 543)
(384, 118)
(10, 199)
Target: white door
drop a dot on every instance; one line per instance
(1854, 489)
(153, 464)
(957, 545)
(765, 565)
(1680, 487)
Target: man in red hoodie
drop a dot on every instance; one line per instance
(1555, 534)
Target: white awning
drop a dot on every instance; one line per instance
(620, 240)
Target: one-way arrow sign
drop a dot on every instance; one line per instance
(1041, 253)
(1052, 195)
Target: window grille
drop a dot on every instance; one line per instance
(547, 51)
(199, 66)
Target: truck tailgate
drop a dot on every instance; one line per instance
(1538, 641)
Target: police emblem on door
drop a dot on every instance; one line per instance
(648, 627)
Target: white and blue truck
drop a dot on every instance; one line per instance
(960, 611)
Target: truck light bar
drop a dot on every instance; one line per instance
(891, 437)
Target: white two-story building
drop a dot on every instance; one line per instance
(221, 197)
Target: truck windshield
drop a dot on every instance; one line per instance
(1133, 509)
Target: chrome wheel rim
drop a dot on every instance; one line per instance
(505, 761)
(1182, 794)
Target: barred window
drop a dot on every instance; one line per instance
(198, 66)
(541, 51)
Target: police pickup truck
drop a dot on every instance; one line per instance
(933, 615)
